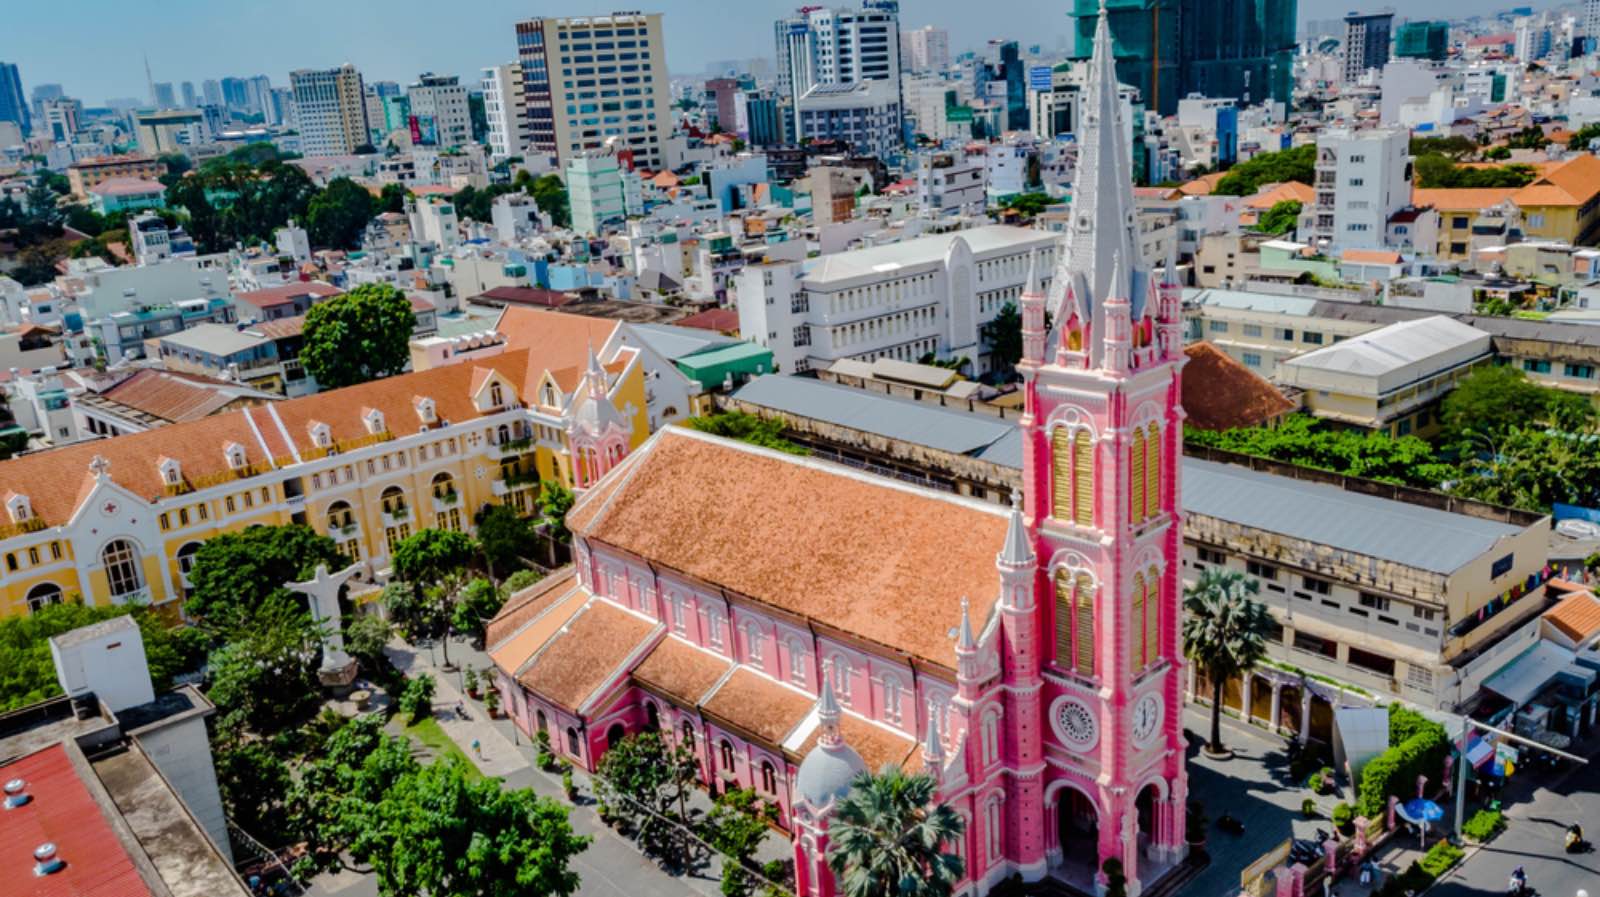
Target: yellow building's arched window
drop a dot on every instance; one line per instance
(1083, 479)
(1064, 616)
(1152, 472)
(1136, 448)
(1061, 474)
(1083, 611)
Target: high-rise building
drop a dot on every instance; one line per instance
(1001, 79)
(925, 49)
(616, 67)
(601, 192)
(331, 107)
(61, 118)
(1363, 178)
(1423, 40)
(374, 95)
(13, 104)
(235, 96)
(280, 107)
(1217, 48)
(720, 102)
(257, 93)
(829, 58)
(764, 119)
(1366, 43)
(439, 113)
(189, 96)
(169, 130)
(1589, 24)
(505, 109)
(163, 96)
(211, 89)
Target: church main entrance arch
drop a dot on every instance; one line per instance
(1077, 835)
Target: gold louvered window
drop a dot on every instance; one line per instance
(1152, 471)
(1083, 598)
(1061, 474)
(1064, 611)
(1152, 617)
(1083, 479)
(1136, 621)
(1136, 475)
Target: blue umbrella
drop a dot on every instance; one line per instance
(1423, 810)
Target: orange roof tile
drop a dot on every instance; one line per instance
(527, 604)
(587, 653)
(560, 341)
(681, 671)
(758, 706)
(1371, 256)
(1220, 393)
(842, 553)
(1284, 192)
(1461, 199)
(1572, 183)
(1577, 616)
(878, 746)
(1202, 185)
(515, 648)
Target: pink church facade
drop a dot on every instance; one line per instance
(794, 622)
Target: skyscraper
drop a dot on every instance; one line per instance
(589, 79)
(439, 115)
(1366, 43)
(163, 96)
(842, 66)
(1423, 40)
(331, 107)
(212, 91)
(505, 109)
(13, 104)
(926, 49)
(189, 96)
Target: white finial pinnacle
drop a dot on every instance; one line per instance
(828, 713)
(1031, 286)
(1016, 499)
(100, 467)
(933, 745)
(966, 641)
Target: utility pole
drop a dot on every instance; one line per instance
(1467, 725)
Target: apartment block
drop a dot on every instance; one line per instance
(588, 79)
(439, 111)
(506, 109)
(332, 109)
(1362, 179)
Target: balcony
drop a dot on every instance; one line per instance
(505, 485)
(516, 446)
(140, 596)
(397, 515)
(340, 532)
(445, 501)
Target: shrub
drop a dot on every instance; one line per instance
(543, 755)
(1417, 746)
(1314, 782)
(520, 580)
(470, 680)
(1440, 857)
(1343, 815)
(567, 785)
(1308, 807)
(416, 701)
(1483, 825)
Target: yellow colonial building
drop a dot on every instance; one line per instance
(555, 397)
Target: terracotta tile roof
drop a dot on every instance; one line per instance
(588, 652)
(514, 651)
(1202, 185)
(127, 187)
(280, 328)
(722, 320)
(878, 746)
(681, 671)
(1461, 199)
(1220, 393)
(527, 604)
(1284, 192)
(1577, 616)
(175, 396)
(1371, 256)
(526, 296)
(758, 706)
(840, 552)
(1572, 183)
(65, 813)
(287, 293)
(560, 341)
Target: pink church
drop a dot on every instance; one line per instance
(795, 622)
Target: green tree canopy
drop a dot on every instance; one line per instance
(1003, 336)
(337, 216)
(551, 196)
(263, 677)
(1492, 400)
(392, 198)
(478, 604)
(748, 428)
(1029, 205)
(428, 555)
(1532, 469)
(1454, 146)
(555, 500)
(235, 573)
(1585, 135)
(358, 336)
(1293, 164)
(504, 535)
(643, 780)
(28, 672)
(1307, 442)
(1433, 170)
(1281, 218)
(1225, 632)
(888, 838)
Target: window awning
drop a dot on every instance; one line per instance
(1521, 680)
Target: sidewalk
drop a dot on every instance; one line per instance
(499, 758)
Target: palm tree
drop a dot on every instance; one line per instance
(887, 835)
(1224, 632)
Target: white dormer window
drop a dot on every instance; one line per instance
(551, 398)
(235, 454)
(374, 421)
(497, 395)
(321, 435)
(171, 473)
(426, 412)
(19, 508)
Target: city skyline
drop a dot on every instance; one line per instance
(184, 46)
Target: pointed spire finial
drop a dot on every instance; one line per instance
(1031, 286)
(933, 746)
(965, 641)
(1017, 550)
(828, 713)
(1171, 264)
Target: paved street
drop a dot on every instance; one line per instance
(1533, 840)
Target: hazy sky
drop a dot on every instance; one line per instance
(95, 47)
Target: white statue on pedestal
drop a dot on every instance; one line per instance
(323, 590)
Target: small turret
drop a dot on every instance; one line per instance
(966, 649)
(1119, 324)
(933, 751)
(1033, 301)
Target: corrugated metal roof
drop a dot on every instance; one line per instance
(1393, 347)
(673, 343)
(1424, 538)
(1247, 301)
(950, 431)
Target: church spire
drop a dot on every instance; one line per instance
(828, 714)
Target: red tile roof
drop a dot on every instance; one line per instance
(287, 293)
(1220, 393)
(63, 812)
(526, 296)
(588, 653)
(174, 396)
(1577, 616)
(722, 320)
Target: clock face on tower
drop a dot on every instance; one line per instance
(1075, 724)
(1146, 719)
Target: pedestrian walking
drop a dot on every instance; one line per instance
(477, 749)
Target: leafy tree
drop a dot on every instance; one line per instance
(503, 535)
(1281, 218)
(478, 205)
(735, 828)
(642, 780)
(1225, 632)
(234, 574)
(263, 677)
(1434, 170)
(520, 580)
(447, 833)
(1003, 336)
(551, 196)
(1532, 469)
(38, 264)
(27, 670)
(1493, 399)
(1497, 153)
(1293, 164)
(429, 555)
(1029, 205)
(1585, 135)
(339, 214)
(1530, 137)
(479, 602)
(555, 500)
(748, 428)
(358, 336)
(331, 797)
(888, 838)
(12, 443)
(416, 701)
(1454, 146)
(253, 780)
(365, 636)
(1307, 442)
(392, 198)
